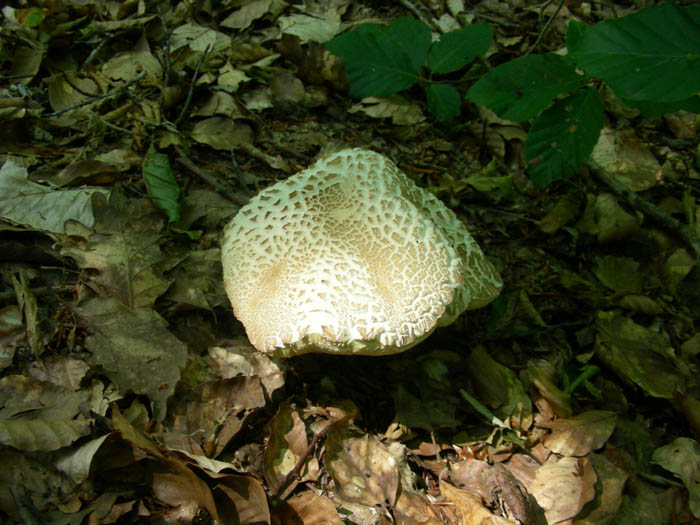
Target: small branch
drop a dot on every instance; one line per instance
(413, 9)
(119, 89)
(191, 90)
(547, 25)
(41, 291)
(166, 58)
(93, 54)
(219, 186)
(655, 214)
(295, 473)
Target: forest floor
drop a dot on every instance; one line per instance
(131, 394)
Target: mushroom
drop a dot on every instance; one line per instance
(350, 257)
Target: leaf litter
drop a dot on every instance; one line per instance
(129, 392)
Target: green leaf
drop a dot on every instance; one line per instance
(455, 49)
(563, 137)
(653, 109)
(161, 184)
(521, 88)
(382, 60)
(443, 101)
(648, 55)
(574, 34)
(409, 35)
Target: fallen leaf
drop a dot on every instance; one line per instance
(363, 469)
(135, 349)
(579, 435)
(563, 486)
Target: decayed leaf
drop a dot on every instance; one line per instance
(125, 66)
(287, 444)
(307, 508)
(28, 482)
(401, 111)
(498, 386)
(682, 457)
(67, 372)
(310, 28)
(248, 496)
(562, 487)
(43, 435)
(677, 266)
(38, 416)
(197, 281)
(218, 410)
(76, 463)
(624, 156)
(414, 507)
(241, 358)
(222, 133)
(498, 486)
(612, 482)
(206, 207)
(469, 507)
(566, 209)
(30, 308)
(135, 349)
(620, 274)
(363, 469)
(198, 38)
(124, 249)
(185, 491)
(137, 439)
(638, 354)
(67, 89)
(245, 15)
(612, 222)
(579, 435)
(40, 207)
(426, 412)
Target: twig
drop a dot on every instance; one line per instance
(220, 187)
(413, 9)
(655, 214)
(188, 100)
(97, 98)
(547, 25)
(294, 474)
(94, 52)
(166, 58)
(15, 77)
(41, 291)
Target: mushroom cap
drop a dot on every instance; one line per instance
(350, 257)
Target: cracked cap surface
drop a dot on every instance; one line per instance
(350, 257)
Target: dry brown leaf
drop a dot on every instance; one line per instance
(363, 469)
(563, 487)
(307, 508)
(185, 491)
(469, 507)
(248, 497)
(612, 482)
(285, 447)
(217, 412)
(579, 435)
(413, 508)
